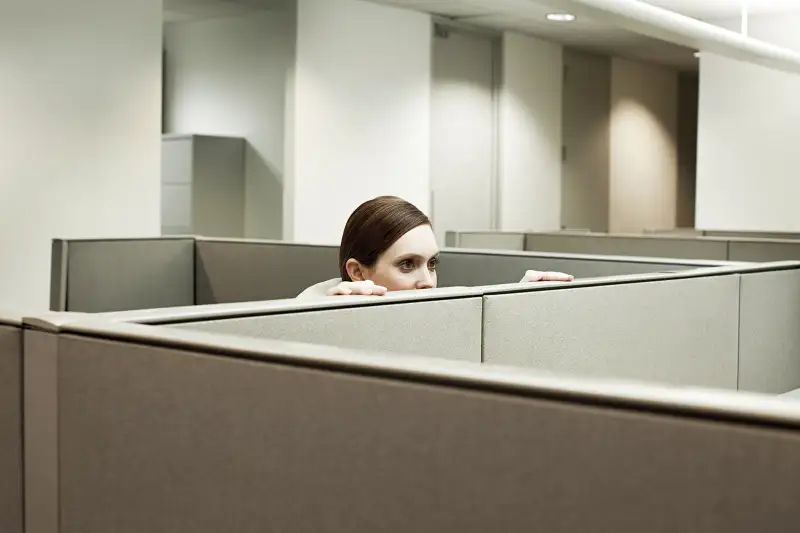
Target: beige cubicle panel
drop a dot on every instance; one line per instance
(164, 430)
(635, 245)
(441, 323)
(242, 271)
(764, 250)
(681, 331)
(486, 240)
(127, 274)
(11, 499)
(752, 234)
(96, 276)
(472, 268)
(769, 336)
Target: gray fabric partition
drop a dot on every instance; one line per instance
(11, 500)
(445, 328)
(681, 331)
(245, 271)
(304, 445)
(769, 339)
(490, 240)
(116, 275)
(468, 268)
(752, 234)
(764, 250)
(635, 245)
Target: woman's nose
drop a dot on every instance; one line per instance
(426, 280)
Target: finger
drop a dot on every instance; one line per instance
(556, 276)
(560, 276)
(339, 291)
(377, 290)
(532, 275)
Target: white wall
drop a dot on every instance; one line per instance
(586, 117)
(530, 134)
(748, 159)
(463, 132)
(643, 156)
(229, 77)
(361, 112)
(80, 101)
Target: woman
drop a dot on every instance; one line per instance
(389, 245)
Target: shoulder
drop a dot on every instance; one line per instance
(320, 289)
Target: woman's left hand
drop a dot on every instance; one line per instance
(535, 275)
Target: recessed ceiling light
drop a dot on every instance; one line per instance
(561, 17)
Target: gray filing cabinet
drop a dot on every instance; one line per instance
(202, 185)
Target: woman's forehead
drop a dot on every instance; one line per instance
(419, 241)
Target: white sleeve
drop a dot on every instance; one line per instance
(320, 289)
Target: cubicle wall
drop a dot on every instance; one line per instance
(716, 248)
(472, 268)
(313, 439)
(769, 331)
(680, 331)
(10, 424)
(118, 275)
(727, 327)
(635, 245)
(707, 329)
(244, 271)
(764, 250)
(96, 276)
(486, 240)
(673, 245)
(441, 323)
(732, 234)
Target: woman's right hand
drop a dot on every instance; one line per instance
(357, 288)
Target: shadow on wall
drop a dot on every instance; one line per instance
(263, 197)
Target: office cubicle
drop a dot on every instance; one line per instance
(782, 235)
(675, 245)
(11, 499)
(118, 275)
(727, 327)
(439, 323)
(164, 429)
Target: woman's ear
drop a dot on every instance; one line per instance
(355, 270)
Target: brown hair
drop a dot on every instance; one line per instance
(375, 226)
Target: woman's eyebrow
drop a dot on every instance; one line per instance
(406, 257)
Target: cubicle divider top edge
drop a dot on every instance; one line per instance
(11, 318)
(178, 315)
(721, 404)
(700, 263)
(731, 269)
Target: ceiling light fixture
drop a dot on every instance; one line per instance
(561, 17)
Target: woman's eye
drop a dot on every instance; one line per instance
(432, 264)
(406, 266)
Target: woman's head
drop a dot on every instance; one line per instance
(390, 242)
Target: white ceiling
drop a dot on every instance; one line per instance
(717, 9)
(527, 16)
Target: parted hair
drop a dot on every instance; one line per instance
(375, 226)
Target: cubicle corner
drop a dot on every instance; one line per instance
(58, 275)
